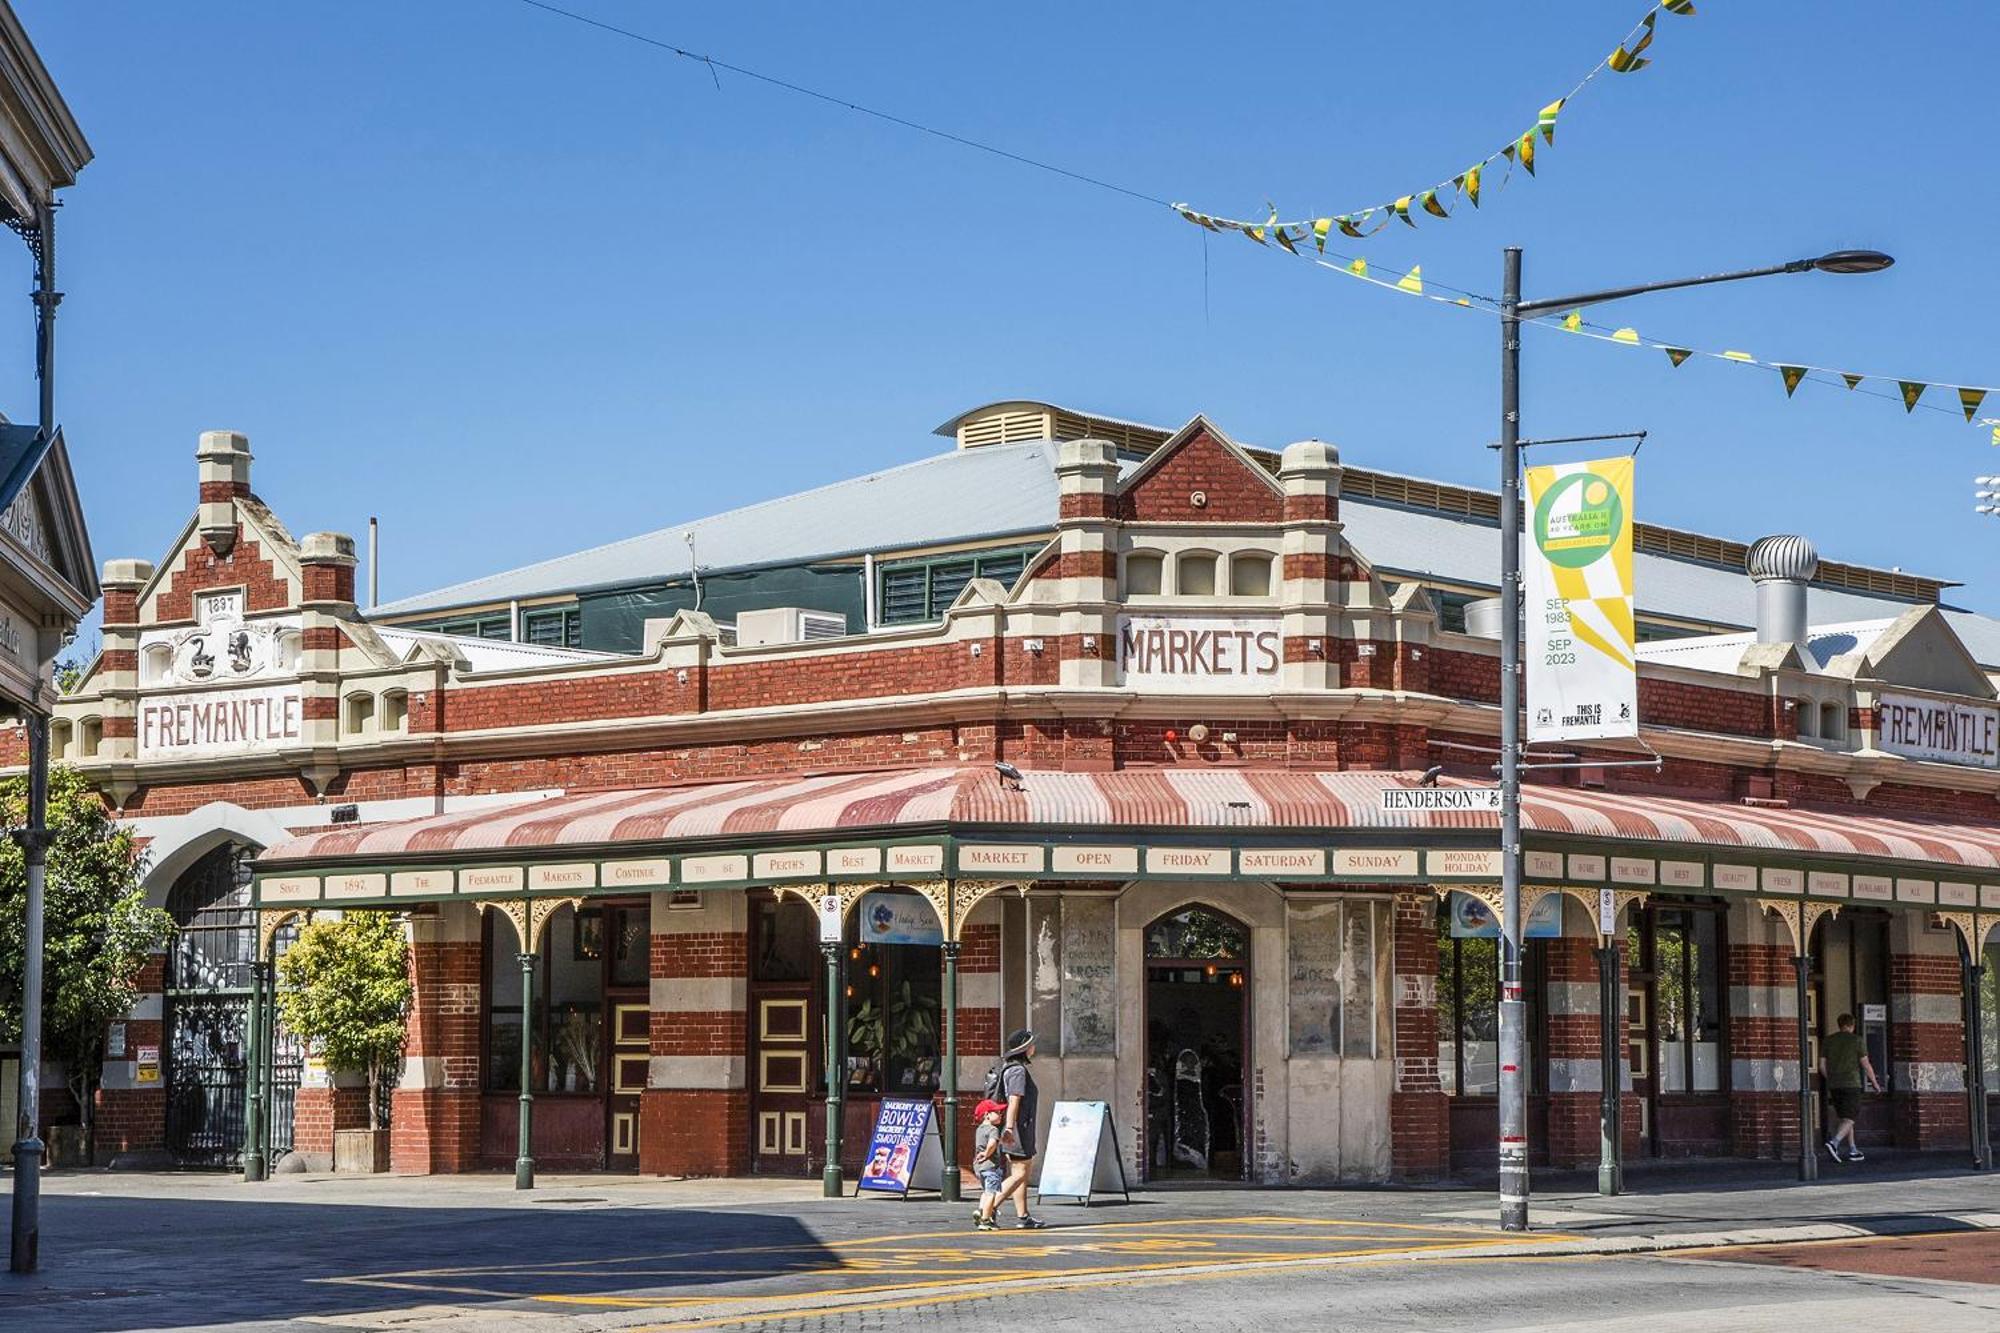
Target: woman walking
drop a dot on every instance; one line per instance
(1017, 1135)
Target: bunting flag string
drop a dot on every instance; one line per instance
(1791, 374)
(1436, 199)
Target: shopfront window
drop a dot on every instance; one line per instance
(1337, 978)
(581, 952)
(1468, 1006)
(895, 996)
(1687, 983)
(1989, 1031)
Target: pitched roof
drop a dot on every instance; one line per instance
(965, 495)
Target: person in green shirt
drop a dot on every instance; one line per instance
(1843, 1060)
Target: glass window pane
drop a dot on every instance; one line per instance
(1357, 997)
(948, 580)
(1314, 943)
(1196, 933)
(1671, 999)
(1479, 1015)
(1989, 989)
(632, 941)
(787, 940)
(503, 1065)
(911, 993)
(1447, 1010)
(1705, 1027)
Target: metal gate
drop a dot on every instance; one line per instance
(206, 1077)
(207, 1017)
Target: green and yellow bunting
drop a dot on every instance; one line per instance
(1791, 375)
(1852, 380)
(1626, 59)
(1546, 121)
(1413, 281)
(1970, 399)
(1912, 390)
(1626, 336)
(1739, 356)
(1678, 354)
(1433, 200)
(1573, 320)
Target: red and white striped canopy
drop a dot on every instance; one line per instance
(768, 810)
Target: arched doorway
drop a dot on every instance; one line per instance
(206, 1017)
(1197, 1045)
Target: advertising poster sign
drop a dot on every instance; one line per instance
(903, 1151)
(1472, 919)
(1081, 1154)
(898, 918)
(1582, 679)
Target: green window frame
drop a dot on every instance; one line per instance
(556, 627)
(912, 591)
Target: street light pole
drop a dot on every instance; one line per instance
(1513, 1008)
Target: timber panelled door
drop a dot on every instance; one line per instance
(207, 1016)
(590, 1037)
(785, 1037)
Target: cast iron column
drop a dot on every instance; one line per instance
(25, 1250)
(1610, 1118)
(830, 1173)
(1808, 1151)
(1973, 978)
(253, 1077)
(1513, 1011)
(524, 1156)
(948, 1187)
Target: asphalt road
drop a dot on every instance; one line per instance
(466, 1255)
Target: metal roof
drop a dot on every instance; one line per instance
(488, 654)
(1724, 652)
(965, 495)
(1000, 490)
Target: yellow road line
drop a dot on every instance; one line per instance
(952, 1298)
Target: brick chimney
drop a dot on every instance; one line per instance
(224, 460)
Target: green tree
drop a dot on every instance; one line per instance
(97, 927)
(344, 987)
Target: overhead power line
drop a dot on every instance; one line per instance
(832, 99)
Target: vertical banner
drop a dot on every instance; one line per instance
(1582, 683)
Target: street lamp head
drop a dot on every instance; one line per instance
(1853, 261)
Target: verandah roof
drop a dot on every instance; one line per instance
(1246, 802)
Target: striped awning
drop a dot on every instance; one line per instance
(976, 801)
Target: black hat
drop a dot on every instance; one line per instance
(1019, 1042)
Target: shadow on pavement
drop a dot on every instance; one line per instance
(115, 1263)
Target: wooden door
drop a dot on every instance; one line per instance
(785, 1035)
(1639, 1042)
(627, 999)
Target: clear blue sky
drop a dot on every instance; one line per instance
(520, 287)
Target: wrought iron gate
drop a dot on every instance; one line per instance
(207, 1017)
(206, 1077)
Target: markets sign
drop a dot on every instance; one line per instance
(1581, 663)
(1200, 652)
(1937, 729)
(217, 722)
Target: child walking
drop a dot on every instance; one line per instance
(986, 1159)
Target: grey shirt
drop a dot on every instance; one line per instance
(1016, 1081)
(983, 1137)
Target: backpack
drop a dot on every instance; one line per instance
(996, 1078)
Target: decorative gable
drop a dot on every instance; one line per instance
(1201, 476)
(41, 518)
(1921, 651)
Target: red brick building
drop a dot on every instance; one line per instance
(1202, 667)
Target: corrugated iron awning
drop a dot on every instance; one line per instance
(978, 802)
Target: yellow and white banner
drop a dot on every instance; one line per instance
(1582, 682)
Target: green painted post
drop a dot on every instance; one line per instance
(267, 1054)
(1610, 1120)
(830, 1176)
(524, 1157)
(948, 1188)
(253, 1081)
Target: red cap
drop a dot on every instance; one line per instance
(981, 1111)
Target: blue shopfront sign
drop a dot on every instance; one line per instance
(898, 918)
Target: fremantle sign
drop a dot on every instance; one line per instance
(174, 726)
(1948, 732)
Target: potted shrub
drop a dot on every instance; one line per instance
(344, 989)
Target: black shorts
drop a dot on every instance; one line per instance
(1846, 1102)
